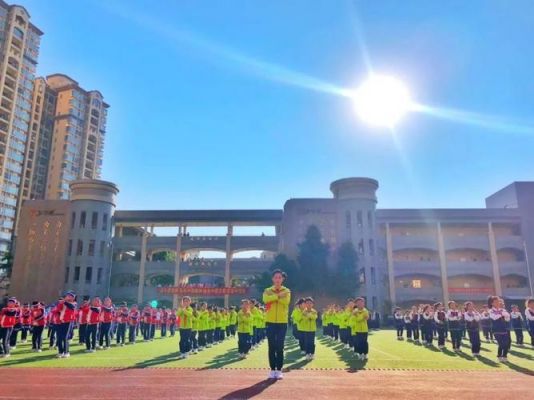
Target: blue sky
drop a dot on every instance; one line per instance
(208, 110)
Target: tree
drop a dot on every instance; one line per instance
(346, 279)
(283, 262)
(6, 267)
(312, 260)
(168, 256)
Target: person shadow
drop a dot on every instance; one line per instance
(249, 392)
(223, 360)
(152, 362)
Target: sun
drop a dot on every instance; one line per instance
(382, 101)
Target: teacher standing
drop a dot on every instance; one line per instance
(276, 299)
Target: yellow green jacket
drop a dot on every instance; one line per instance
(296, 314)
(358, 321)
(203, 320)
(186, 317)
(343, 319)
(277, 308)
(244, 322)
(308, 321)
(233, 317)
(194, 325)
(217, 317)
(211, 321)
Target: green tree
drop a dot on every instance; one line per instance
(312, 262)
(346, 281)
(283, 262)
(164, 256)
(6, 268)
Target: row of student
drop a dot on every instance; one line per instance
(457, 320)
(494, 321)
(348, 325)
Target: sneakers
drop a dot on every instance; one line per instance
(279, 375)
(273, 375)
(66, 355)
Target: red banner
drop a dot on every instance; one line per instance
(202, 291)
(472, 290)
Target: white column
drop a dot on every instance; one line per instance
(443, 265)
(494, 261)
(119, 231)
(177, 266)
(142, 262)
(227, 277)
(391, 270)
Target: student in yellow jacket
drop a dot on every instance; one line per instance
(185, 314)
(244, 328)
(276, 299)
(308, 325)
(255, 312)
(217, 317)
(203, 326)
(360, 330)
(233, 321)
(210, 336)
(344, 324)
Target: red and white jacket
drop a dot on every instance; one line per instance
(38, 315)
(8, 317)
(66, 311)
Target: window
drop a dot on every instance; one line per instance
(94, 220)
(370, 219)
(102, 248)
(88, 274)
(76, 274)
(362, 275)
(79, 248)
(348, 220)
(91, 249)
(99, 276)
(374, 302)
(371, 247)
(416, 284)
(373, 276)
(82, 219)
(360, 247)
(67, 271)
(69, 251)
(359, 218)
(73, 220)
(105, 222)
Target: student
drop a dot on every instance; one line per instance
(517, 324)
(427, 317)
(194, 330)
(133, 321)
(38, 324)
(256, 322)
(233, 321)
(66, 310)
(414, 321)
(399, 322)
(344, 327)
(408, 325)
(335, 322)
(309, 326)
(154, 322)
(106, 316)
(185, 313)
(472, 323)
(210, 334)
(360, 329)
(485, 324)
(500, 319)
(53, 323)
(122, 321)
(82, 320)
(244, 328)
(276, 299)
(7, 322)
(440, 319)
(92, 320)
(454, 317)
(16, 328)
(296, 314)
(203, 327)
(172, 321)
(529, 318)
(145, 322)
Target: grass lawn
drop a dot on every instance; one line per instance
(386, 352)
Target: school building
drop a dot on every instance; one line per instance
(406, 256)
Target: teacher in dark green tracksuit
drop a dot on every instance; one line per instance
(276, 299)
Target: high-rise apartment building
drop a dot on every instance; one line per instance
(68, 131)
(19, 50)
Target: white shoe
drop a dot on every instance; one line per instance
(308, 357)
(273, 375)
(59, 355)
(66, 355)
(39, 351)
(364, 356)
(279, 375)
(312, 356)
(13, 347)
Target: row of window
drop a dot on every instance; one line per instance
(363, 279)
(359, 219)
(88, 275)
(83, 223)
(90, 248)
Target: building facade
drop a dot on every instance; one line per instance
(406, 256)
(19, 51)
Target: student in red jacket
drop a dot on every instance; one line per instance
(82, 320)
(133, 321)
(25, 322)
(7, 322)
(92, 320)
(16, 328)
(154, 321)
(66, 310)
(172, 322)
(38, 323)
(122, 319)
(145, 322)
(106, 317)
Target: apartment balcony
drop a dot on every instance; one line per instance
(483, 268)
(402, 268)
(514, 268)
(504, 242)
(414, 242)
(424, 294)
(466, 242)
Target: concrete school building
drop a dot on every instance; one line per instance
(406, 256)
